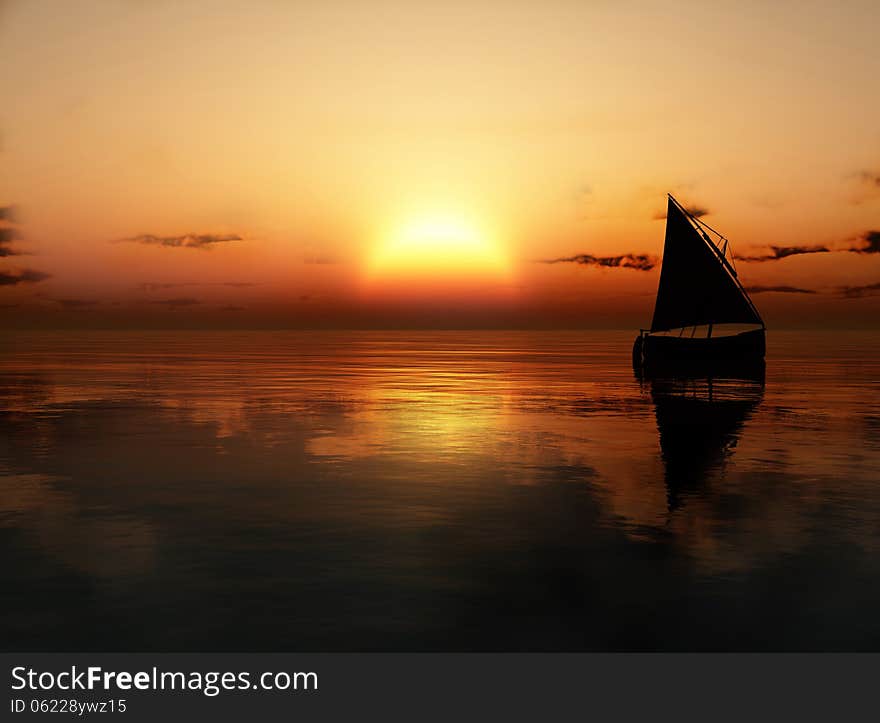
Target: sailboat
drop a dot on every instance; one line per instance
(698, 290)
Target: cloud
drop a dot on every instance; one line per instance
(232, 308)
(25, 276)
(869, 178)
(176, 303)
(583, 196)
(641, 262)
(768, 200)
(777, 253)
(866, 243)
(778, 290)
(9, 213)
(866, 185)
(320, 259)
(7, 236)
(858, 292)
(695, 211)
(75, 304)
(158, 286)
(870, 243)
(189, 240)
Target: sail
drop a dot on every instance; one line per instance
(695, 286)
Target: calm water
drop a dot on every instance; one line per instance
(433, 491)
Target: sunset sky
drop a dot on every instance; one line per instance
(397, 163)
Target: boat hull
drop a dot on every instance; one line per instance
(672, 352)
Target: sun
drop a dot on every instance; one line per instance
(438, 247)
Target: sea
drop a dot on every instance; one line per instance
(434, 491)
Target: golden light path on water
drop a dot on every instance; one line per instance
(444, 476)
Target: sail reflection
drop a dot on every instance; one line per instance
(700, 417)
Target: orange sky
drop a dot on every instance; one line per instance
(391, 163)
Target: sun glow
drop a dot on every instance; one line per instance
(438, 247)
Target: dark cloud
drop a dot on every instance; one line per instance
(866, 243)
(695, 211)
(870, 243)
(857, 292)
(25, 276)
(9, 213)
(232, 308)
(320, 259)
(641, 262)
(75, 304)
(866, 185)
(190, 240)
(777, 253)
(869, 178)
(7, 236)
(768, 200)
(177, 303)
(158, 286)
(778, 290)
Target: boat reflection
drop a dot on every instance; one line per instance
(700, 417)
